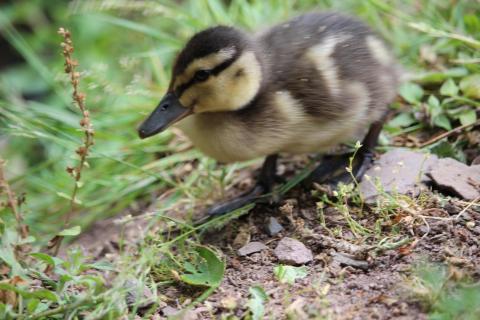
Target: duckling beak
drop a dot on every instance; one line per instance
(168, 111)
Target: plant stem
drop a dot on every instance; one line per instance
(63, 308)
(12, 201)
(85, 123)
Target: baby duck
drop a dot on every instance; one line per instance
(303, 86)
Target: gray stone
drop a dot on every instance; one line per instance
(251, 247)
(138, 295)
(169, 311)
(457, 178)
(399, 171)
(292, 251)
(273, 226)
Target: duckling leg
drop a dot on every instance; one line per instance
(332, 170)
(264, 184)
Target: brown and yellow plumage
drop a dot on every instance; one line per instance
(303, 86)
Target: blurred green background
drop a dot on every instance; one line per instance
(125, 49)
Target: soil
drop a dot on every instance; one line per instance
(376, 287)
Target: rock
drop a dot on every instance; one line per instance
(309, 214)
(476, 161)
(172, 313)
(398, 171)
(457, 178)
(169, 311)
(273, 226)
(251, 247)
(138, 295)
(292, 251)
(348, 260)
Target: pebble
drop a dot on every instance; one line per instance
(251, 247)
(291, 251)
(273, 227)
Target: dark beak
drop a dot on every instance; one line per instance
(168, 111)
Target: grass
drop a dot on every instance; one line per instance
(125, 49)
(445, 292)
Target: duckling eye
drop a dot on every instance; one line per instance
(202, 75)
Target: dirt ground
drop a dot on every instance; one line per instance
(372, 284)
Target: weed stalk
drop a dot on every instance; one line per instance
(85, 124)
(12, 202)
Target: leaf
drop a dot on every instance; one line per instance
(445, 149)
(439, 77)
(470, 86)
(468, 117)
(209, 271)
(449, 88)
(68, 197)
(434, 107)
(256, 301)
(32, 305)
(404, 119)
(27, 240)
(411, 92)
(442, 121)
(44, 258)
(102, 265)
(73, 231)
(45, 294)
(288, 274)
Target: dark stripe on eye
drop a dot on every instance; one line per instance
(215, 71)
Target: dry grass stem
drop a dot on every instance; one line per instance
(13, 202)
(88, 132)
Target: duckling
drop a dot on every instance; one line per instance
(303, 86)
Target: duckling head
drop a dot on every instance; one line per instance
(217, 71)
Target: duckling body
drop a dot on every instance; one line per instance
(324, 78)
(303, 86)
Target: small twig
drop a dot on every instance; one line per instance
(474, 201)
(12, 202)
(448, 133)
(86, 125)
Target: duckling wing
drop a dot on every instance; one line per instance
(334, 65)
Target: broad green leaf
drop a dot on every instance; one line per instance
(442, 121)
(32, 304)
(73, 231)
(434, 107)
(468, 117)
(189, 267)
(439, 77)
(446, 149)
(288, 274)
(472, 22)
(404, 119)
(210, 269)
(449, 88)
(411, 92)
(257, 298)
(470, 86)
